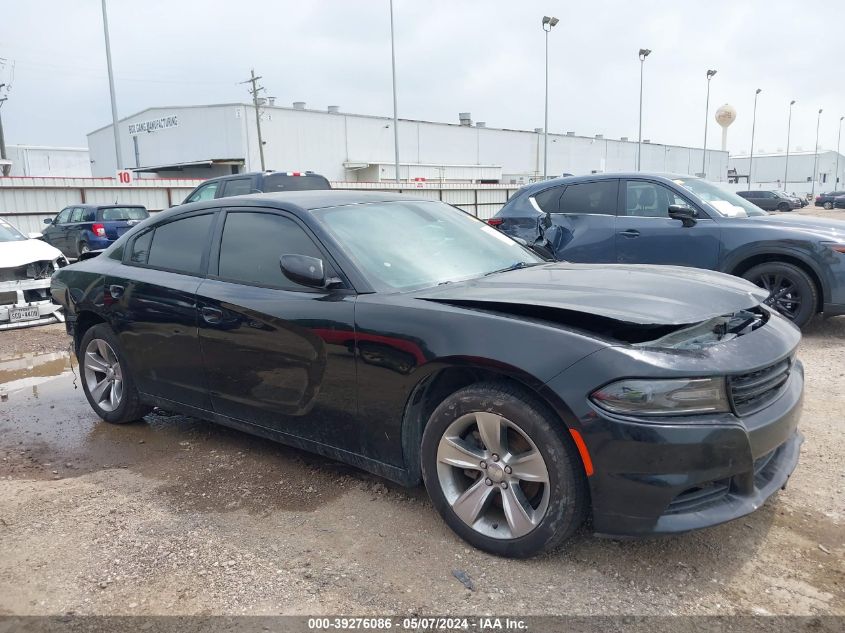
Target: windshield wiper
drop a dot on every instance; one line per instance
(514, 266)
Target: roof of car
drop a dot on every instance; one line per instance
(604, 176)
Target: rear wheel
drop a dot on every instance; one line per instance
(783, 207)
(791, 291)
(107, 383)
(828, 205)
(501, 472)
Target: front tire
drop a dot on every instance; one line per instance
(502, 472)
(82, 249)
(106, 381)
(791, 291)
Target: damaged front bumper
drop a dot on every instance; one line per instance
(27, 302)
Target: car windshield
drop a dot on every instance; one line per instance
(415, 244)
(781, 194)
(124, 213)
(283, 182)
(8, 233)
(724, 202)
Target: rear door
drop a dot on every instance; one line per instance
(151, 298)
(645, 234)
(277, 354)
(584, 217)
(118, 220)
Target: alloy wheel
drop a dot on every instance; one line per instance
(493, 475)
(784, 295)
(103, 375)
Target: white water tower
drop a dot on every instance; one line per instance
(724, 117)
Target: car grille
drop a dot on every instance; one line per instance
(756, 390)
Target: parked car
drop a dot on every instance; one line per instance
(26, 265)
(666, 219)
(771, 200)
(257, 182)
(410, 339)
(81, 228)
(826, 200)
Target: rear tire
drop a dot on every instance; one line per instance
(106, 380)
(502, 471)
(828, 205)
(791, 291)
(783, 207)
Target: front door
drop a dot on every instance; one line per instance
(151, 298)
(56, 233)
(645, 234)
(277, 354)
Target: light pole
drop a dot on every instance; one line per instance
(644, 52)
(788, 130)
(710, 74)
(816, 159)
(838, 139)
(548, 23)
(753, 125)
(116, 132)
(395, 107)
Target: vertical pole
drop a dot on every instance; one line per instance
(788, 130)
(838, 139)
(706, 117)
(6, 169)
(116, 132)
(253, 79)
(753, 125)
(816, 158)
(137, 152)
(546, 120)
(640, 138)
(395, 106)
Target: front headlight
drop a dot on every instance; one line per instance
(679, 396)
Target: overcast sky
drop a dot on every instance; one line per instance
(481, 56)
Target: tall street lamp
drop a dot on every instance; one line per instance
(710, 75)
(395, 112)
(753, 125)
(548, 23)
(788, 130)
(644, 52)
(838, 139)
(816, 159)
(117, 154)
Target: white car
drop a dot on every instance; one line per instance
(26, 265)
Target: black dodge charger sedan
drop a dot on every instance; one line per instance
(412, 340)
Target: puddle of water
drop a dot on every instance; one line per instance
(48, 430)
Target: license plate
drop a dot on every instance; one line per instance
(23, 314)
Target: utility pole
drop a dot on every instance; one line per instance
(788, 130)
(816, 159)
(254, 92)
(395, 107)
(5, 169)
(753, 126)
(117, 154)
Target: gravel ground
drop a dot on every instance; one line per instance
(174, 515)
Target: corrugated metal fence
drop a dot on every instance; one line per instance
(26, 202)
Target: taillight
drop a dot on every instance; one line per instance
(495, 221)
(99, 230)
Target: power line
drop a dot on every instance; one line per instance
(254, 92)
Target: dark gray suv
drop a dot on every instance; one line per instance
(257, 182)
(637, 218)
(771, 200)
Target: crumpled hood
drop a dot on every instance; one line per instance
(641, 294)
(825, 228)
(14, 254)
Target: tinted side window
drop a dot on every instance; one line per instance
(283, 182)
(253, 243)
(590, 197)
(205, 192)
(238, 187)
(179, 245)
(549, 199)
(141, 248)
(650, 200)
(90, 215)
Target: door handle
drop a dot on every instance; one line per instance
(630, 233)
(116, 291)
(212, 316)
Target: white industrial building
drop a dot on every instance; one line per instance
(57, 162)
(212, 140)
(806, 172)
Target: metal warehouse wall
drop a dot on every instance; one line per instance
(770, 168)
(35, 160)
(27, 202)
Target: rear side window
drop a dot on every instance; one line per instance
(549, 200)
(238, 187)
(179, 245)
(283, 182)
(124, 213)
(595, 198)
(253, 243)
(141, 248)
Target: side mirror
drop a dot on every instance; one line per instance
(686, 215)
(48, 220)
(34, 235)
(304, 270)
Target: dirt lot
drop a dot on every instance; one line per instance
(175, 515)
